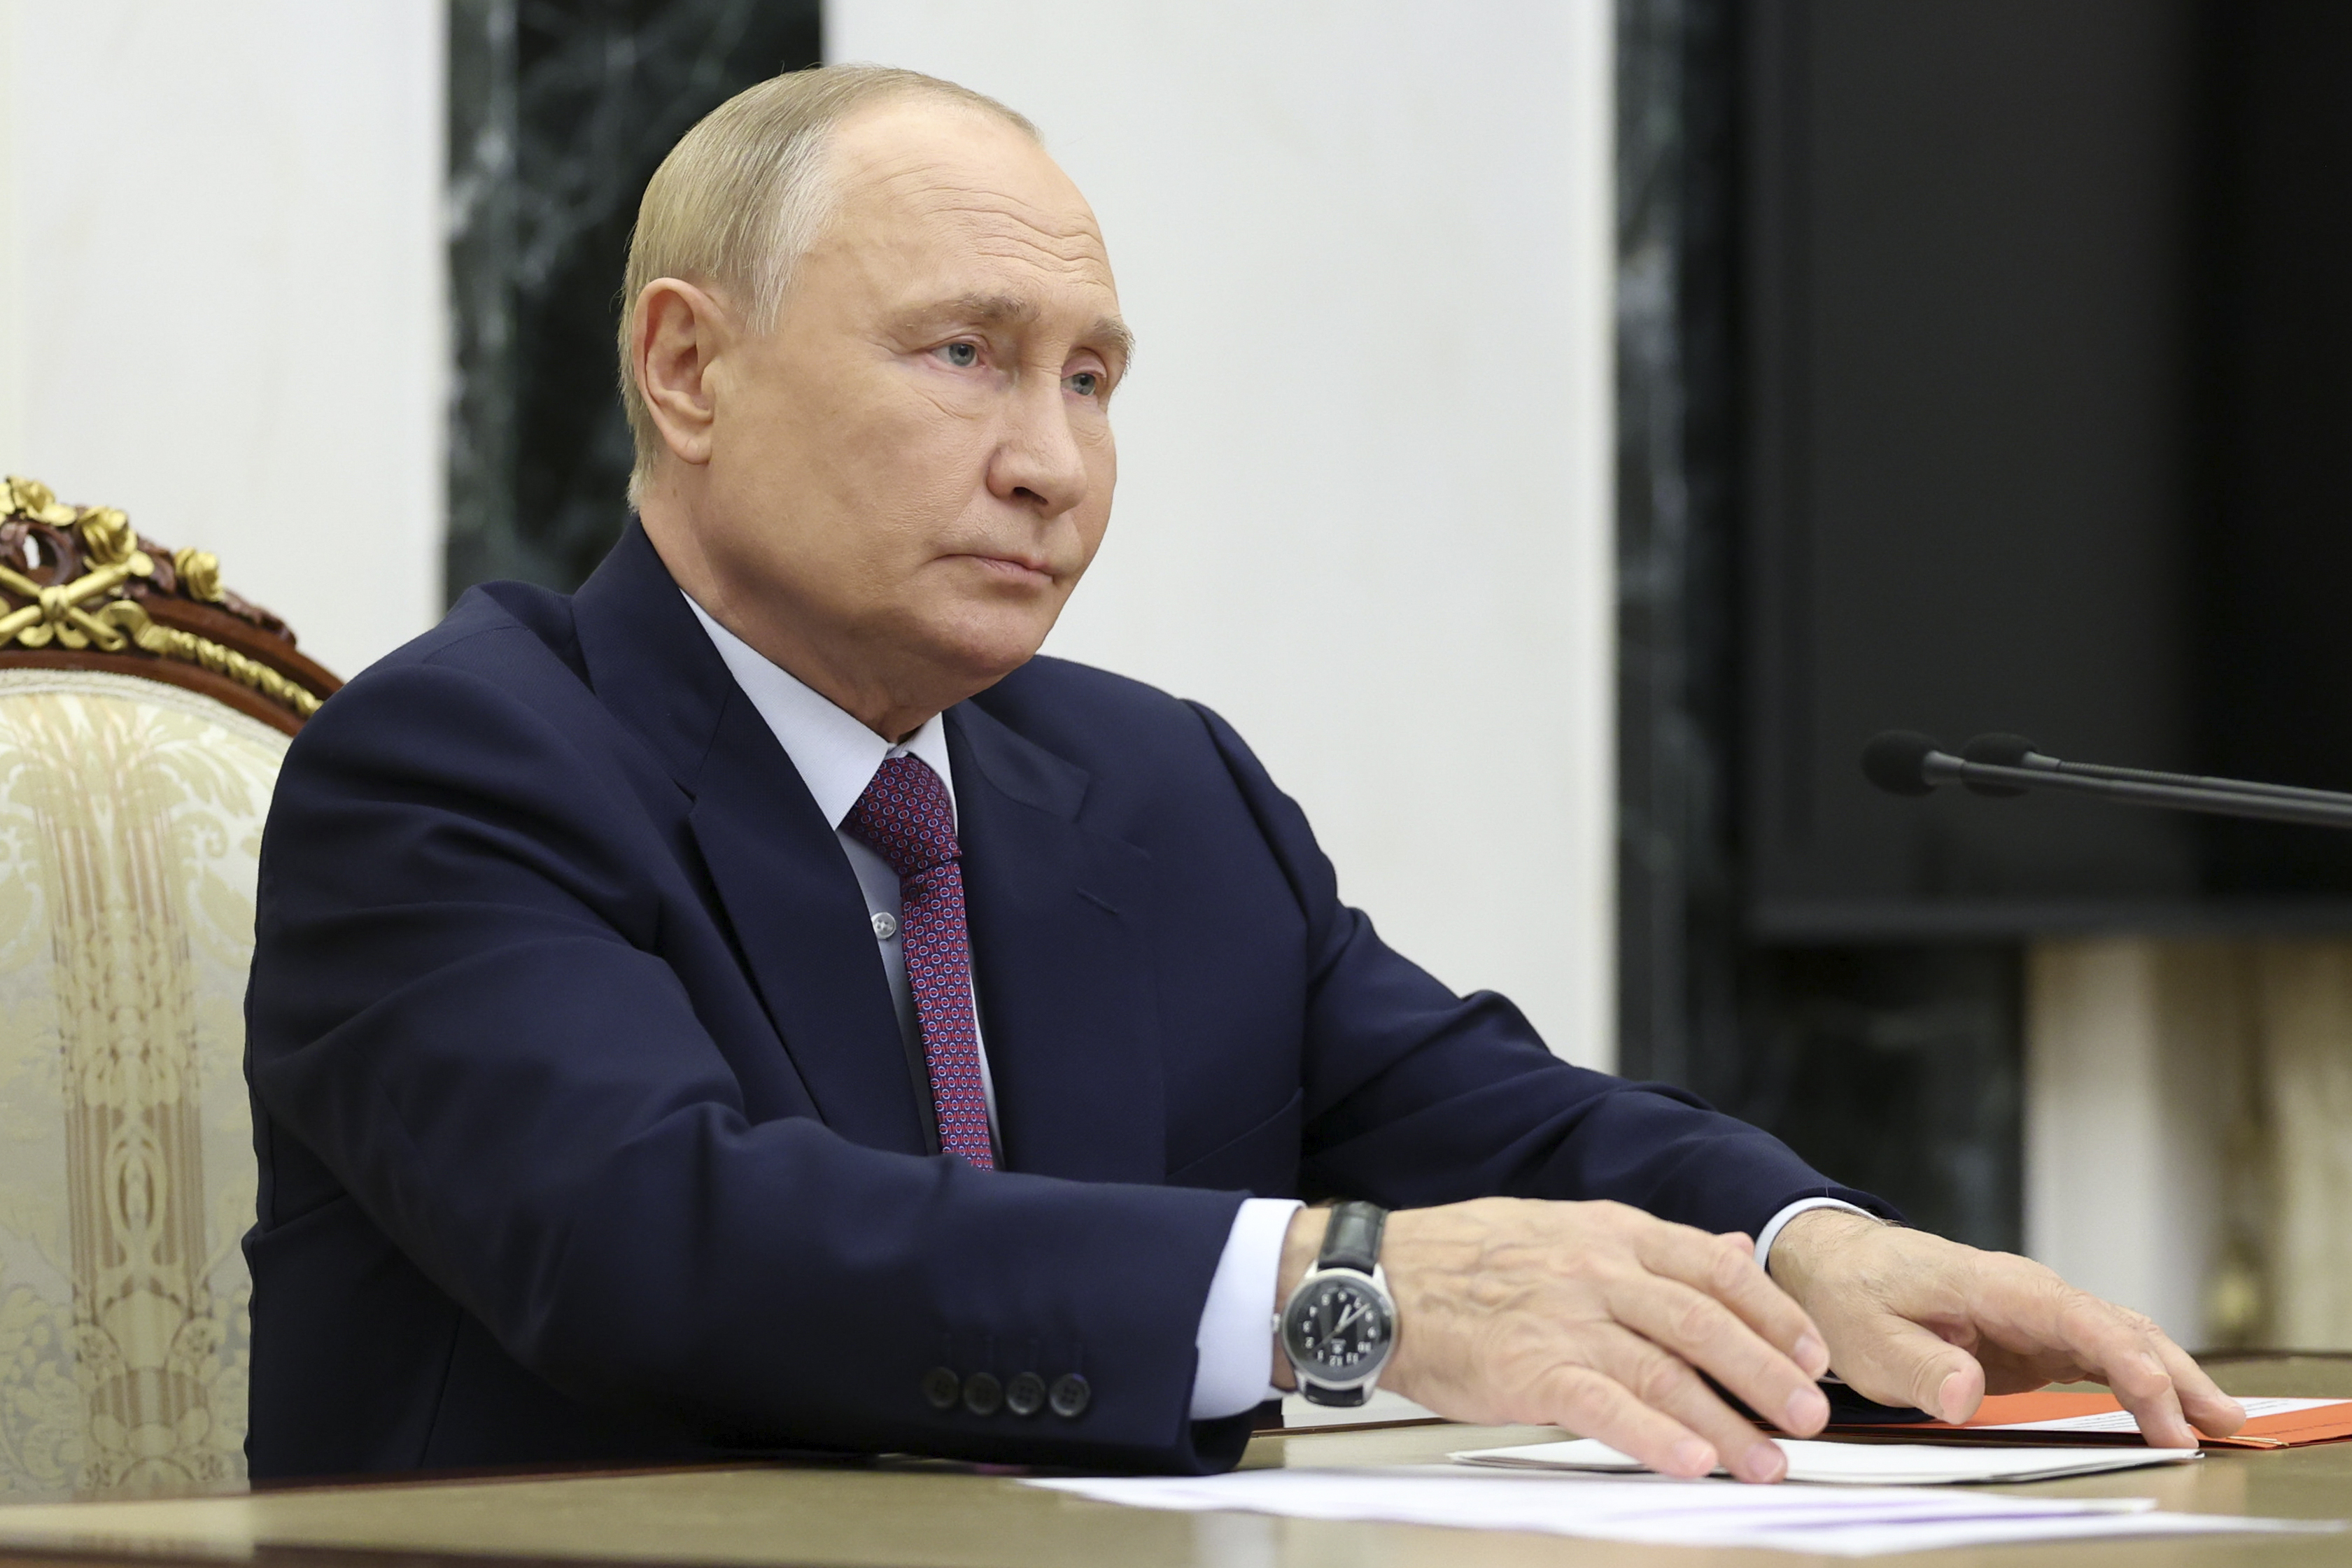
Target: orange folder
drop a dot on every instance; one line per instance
(2099, 1418)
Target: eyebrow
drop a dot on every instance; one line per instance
(989, 310)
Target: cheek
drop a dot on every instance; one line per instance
(1093, 517)
(905, 458)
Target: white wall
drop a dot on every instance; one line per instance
(1365, 506)
(220, 290)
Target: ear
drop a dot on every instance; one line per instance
(681, 332)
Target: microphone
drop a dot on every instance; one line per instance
(1904, 762)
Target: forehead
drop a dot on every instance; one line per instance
(943, 195)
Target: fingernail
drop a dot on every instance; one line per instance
(1690, 1458)
(1806, 1412)
(1764, 1462)
(1947, 1399)
(1813, 1355)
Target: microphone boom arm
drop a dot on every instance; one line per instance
(2016, 751)
(1904, 762)
(2324, 813)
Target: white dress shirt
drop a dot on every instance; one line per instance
(836, 756)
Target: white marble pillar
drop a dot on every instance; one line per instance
(2305, 997)
(2189, 1132)
(2124, 1195)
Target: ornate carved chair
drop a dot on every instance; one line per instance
(143, 714)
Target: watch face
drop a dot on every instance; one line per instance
(1337, 1330)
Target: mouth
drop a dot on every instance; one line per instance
(1027, 569)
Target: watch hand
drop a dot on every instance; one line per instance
(1331, 1340)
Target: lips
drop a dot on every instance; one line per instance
(1016, 566)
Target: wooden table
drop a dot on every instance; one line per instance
(918, 1515)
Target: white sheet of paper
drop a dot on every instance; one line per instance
(1830, 1521)
(2121, 1420)
(1860, 1464)
(1297, 1410)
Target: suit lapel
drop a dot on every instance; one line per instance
(1068, 1001)
(801, 923)
(788, 894)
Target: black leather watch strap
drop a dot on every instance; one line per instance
(1352, 1239)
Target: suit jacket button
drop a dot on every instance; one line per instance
(983, 1394)
(1025, 1394)
(1071, 1396)
(942, 1388)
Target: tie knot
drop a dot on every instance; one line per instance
(905, 816)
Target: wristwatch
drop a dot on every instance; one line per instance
(1338, 1327)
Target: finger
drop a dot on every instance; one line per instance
(1724, 1267)
(1893, 1361)
(2150, 1376)
(2157, 1368)
(1592, 1404)
(1703, 1332)
(2210, 1410)
(1667, 1384)
(2120, 1348)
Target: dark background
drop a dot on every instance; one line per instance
(2045, 405)
(1983, 366)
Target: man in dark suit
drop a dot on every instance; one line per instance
(753, 1004)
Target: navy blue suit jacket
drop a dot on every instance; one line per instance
(585, 1127)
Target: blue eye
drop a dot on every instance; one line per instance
(1086, 383)
(962, 356)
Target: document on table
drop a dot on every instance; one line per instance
(1838, 1521)
(2098, 1418)
(1301, 1415)
(1861, 1464)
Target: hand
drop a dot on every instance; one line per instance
(1912, 1319)
(1590, 1316)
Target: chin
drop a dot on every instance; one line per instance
(988, 651)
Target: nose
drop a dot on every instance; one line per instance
(1037, 463)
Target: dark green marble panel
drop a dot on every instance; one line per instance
(559, 112)
(1894, 1068)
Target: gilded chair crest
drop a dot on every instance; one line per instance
(144, 711)
(80, 591)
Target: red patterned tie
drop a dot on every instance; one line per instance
(905, 816)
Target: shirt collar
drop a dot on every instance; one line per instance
(835, 756)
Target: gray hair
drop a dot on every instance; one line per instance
(745, 194)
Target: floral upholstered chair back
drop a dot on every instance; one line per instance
(143, 714)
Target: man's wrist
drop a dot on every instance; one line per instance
(1766, 1237)
(1300, 1245)
(1807, 1234)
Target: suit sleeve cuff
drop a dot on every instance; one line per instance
(1234, 1342)
(1770, 1233)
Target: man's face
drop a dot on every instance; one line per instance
(910, 473)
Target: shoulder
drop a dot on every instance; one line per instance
(507, 631)
(504, 662)
(1134, 741)
(1165, 774)
(1095, 718)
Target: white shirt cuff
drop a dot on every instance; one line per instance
(1235, 1342)
(1771, 1232)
